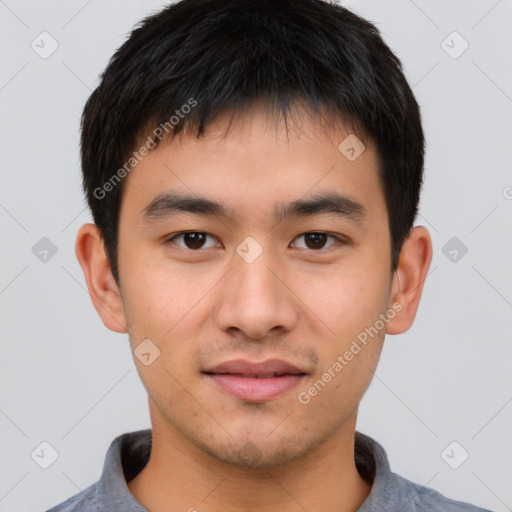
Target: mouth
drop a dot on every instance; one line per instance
(255, 382)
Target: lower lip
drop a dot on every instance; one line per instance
(255, 390)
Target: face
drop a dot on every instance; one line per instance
(261, 282)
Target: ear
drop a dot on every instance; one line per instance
(103, 289)
(408, 279)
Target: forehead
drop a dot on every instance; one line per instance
(256, 160)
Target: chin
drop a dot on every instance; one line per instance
(258, 453)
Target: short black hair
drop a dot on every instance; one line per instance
(218, 55)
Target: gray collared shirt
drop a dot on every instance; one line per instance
(129, 453)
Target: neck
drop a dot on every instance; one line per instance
(180, 476)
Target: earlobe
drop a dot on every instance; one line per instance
(409, 279)
(102, 287)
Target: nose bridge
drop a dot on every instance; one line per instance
(255, 299)
(255, 277)
(252, 262)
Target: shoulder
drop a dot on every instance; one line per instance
(424, 499)
(392, 492)
(84, 501)
(126, 456)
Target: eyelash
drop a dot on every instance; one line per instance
(337, 239)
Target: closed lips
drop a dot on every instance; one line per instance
(250, 369)
(256, 376)
(238, 378)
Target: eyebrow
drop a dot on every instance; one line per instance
(167, 204)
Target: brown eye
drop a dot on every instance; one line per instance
(192, 240)
(315, 240)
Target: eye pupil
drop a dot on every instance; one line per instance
(318, 240)
(194, 240)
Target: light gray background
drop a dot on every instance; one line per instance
(68, 381)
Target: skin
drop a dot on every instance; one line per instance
(200, 307)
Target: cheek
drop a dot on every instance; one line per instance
(347, 299)
(156, 297)
(164, 307)
(349, 302)
(344, 374)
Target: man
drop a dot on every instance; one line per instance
(253, 168)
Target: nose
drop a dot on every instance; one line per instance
(256, 298)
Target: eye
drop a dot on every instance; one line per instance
(192, 240)
(316, 240)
